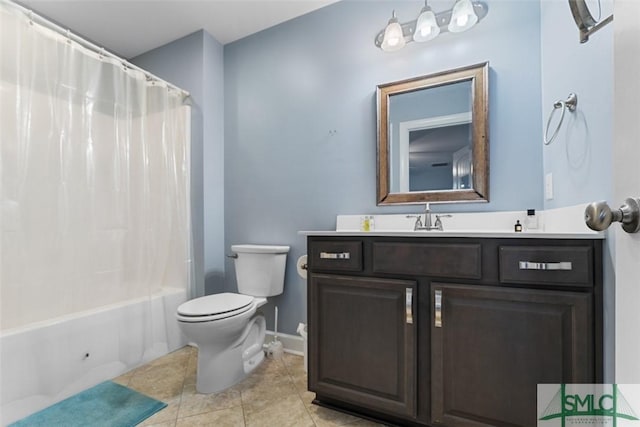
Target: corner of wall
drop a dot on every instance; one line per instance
(213, 163)
(583, 143)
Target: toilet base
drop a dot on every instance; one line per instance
(253, 362)
(219, 370)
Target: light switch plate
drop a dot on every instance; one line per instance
(548, 186)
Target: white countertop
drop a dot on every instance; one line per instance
(562, 223)
(460, 233)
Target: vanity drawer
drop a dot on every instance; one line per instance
(336, 255)
(567, 265)
(455, 260)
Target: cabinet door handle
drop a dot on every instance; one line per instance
(409, 305)
(528, 265)
(437, 306)
(335, 255)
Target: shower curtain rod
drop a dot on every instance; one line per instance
(89, 45)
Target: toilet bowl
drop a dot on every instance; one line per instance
(227, 328)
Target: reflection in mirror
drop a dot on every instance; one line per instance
(432, 129)
(432, 138)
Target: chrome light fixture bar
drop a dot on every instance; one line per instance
(428, 25)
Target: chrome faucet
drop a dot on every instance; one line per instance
(428, 224)
(427, 217)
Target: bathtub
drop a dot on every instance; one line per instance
(46, 362)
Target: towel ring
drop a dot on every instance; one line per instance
(570, 103)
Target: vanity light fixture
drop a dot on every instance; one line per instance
(428, 25)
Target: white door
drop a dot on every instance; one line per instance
(626, 181)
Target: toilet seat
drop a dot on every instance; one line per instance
(215, 307)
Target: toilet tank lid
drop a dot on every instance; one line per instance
(260, 249)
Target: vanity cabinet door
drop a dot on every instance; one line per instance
(491, 346)
(362, 342)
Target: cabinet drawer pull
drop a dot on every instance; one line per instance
(335, 255)
(437, 309)
(528, 265)
(409, 305)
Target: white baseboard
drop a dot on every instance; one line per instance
(293, 344)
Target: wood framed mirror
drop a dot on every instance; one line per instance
(433, 138)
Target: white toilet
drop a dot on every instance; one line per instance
(225, 327)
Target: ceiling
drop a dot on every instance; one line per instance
(131, 27)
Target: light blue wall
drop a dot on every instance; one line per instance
(580, 157)
(194, 63)
(288, 87)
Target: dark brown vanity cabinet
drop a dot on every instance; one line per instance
(451, 331)
(493, 345)
(363, 343)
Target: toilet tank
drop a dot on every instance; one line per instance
(260, 269)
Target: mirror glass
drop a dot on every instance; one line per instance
(432, 138)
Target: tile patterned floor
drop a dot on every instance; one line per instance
(275, 394)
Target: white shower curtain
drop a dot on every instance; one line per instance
(94, 179)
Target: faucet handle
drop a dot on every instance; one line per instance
(418, 222)
(438, 223)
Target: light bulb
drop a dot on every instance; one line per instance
(426, 26)
(462, 20)
(463, 16)
(393, 36)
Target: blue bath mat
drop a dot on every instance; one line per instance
(106, 405)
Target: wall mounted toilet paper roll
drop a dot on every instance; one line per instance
(301, 266)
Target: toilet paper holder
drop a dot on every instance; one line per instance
(302, 266)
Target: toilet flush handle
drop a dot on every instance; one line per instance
(232, 256)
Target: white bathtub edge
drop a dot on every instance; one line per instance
(42, 365)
